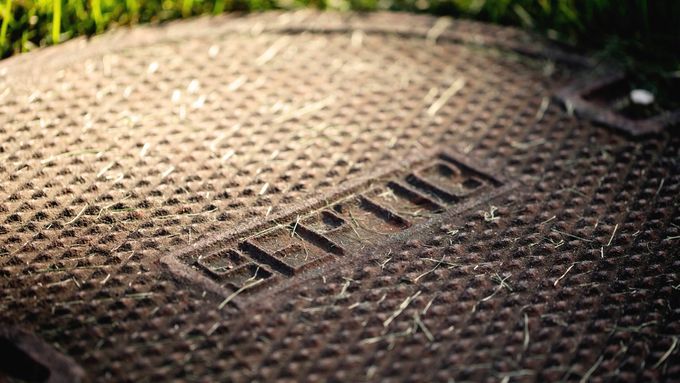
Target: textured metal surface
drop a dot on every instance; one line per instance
(360, 218)
(135, 162)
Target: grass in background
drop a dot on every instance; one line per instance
(642, 35)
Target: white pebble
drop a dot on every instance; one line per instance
(641, 97)
(193, 87)
(153, 67)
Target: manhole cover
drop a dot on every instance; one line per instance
(302, 196)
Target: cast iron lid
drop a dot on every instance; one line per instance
(305, 196)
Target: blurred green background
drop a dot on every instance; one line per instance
(639, 34)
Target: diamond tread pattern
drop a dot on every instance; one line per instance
(117, 151)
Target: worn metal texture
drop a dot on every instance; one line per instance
(341, 197)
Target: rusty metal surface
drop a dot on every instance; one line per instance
(332, 197)
(361, 218)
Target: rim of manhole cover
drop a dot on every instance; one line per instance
(431, 29)
(25, 357)
(596, 99)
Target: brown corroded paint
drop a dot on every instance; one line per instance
(121, 154)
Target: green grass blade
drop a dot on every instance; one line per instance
(187, 6)
(132, 6)
(6, 16)
(219, 7)
(97, 15)
(56, 20)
